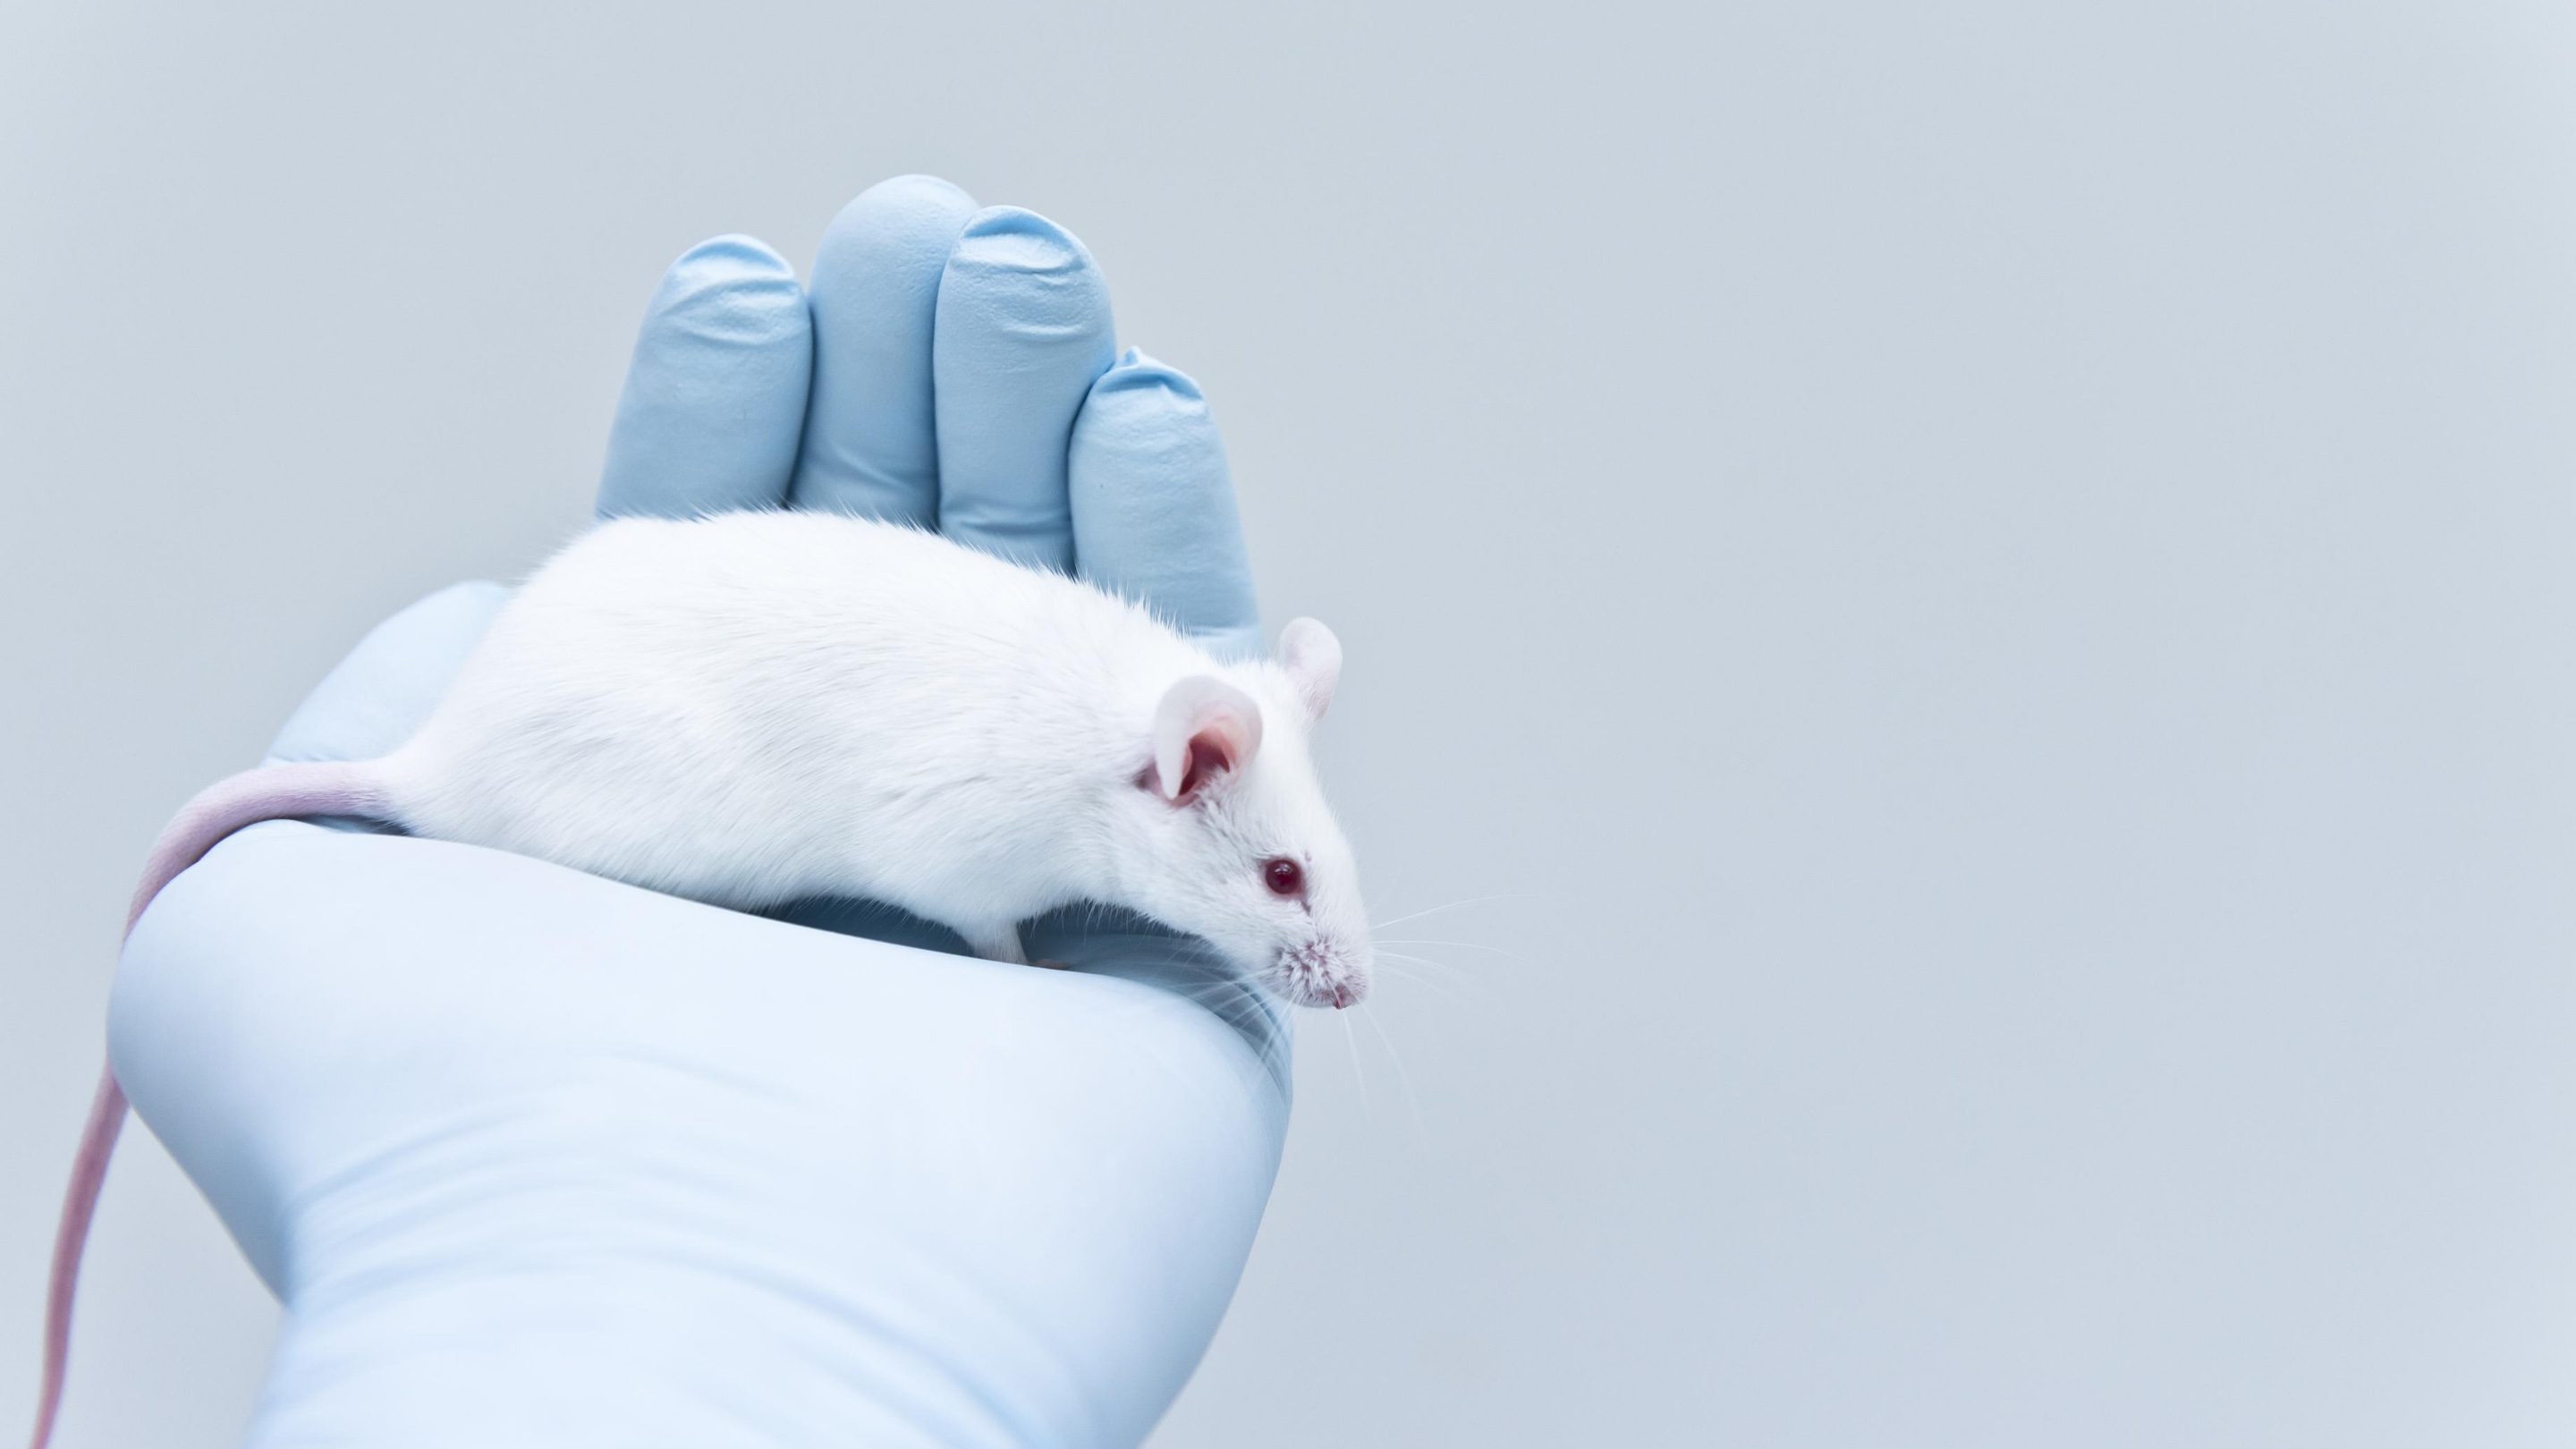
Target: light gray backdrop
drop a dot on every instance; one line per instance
(1991, 589)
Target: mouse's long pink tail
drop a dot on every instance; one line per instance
(271, 792)
(80, 1200)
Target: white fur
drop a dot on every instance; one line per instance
(755, 707)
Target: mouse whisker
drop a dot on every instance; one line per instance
(1447, 989)
(1469, 945)
(1454, 970)
(1435, 910)
(1359, 1073)
(1412, 1099)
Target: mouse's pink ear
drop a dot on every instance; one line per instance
(1313, 658)
(1203, 728)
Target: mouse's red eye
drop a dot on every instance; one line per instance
(1285, 876)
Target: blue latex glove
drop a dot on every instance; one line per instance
(536, 1158)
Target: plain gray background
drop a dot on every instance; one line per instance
(1991, 588)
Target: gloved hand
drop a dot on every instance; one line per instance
(534, 1158)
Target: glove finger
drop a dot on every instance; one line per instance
(870, 442)
(1153, 505)
(1023, 329)
(715, 397)
(379, 695)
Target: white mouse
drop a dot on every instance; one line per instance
(751, 708)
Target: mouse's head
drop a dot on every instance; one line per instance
(1240, 847)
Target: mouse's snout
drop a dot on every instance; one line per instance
(1322, 972)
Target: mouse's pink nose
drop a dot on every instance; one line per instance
(1343, 994)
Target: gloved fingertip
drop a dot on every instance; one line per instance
(733, 252)
(1023, 330)
(1015, 239)
(1135, 371)
(1154, 515)
(870, 446)
(916, 189)
(715, 394)
(884, 237)
(733, 290)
